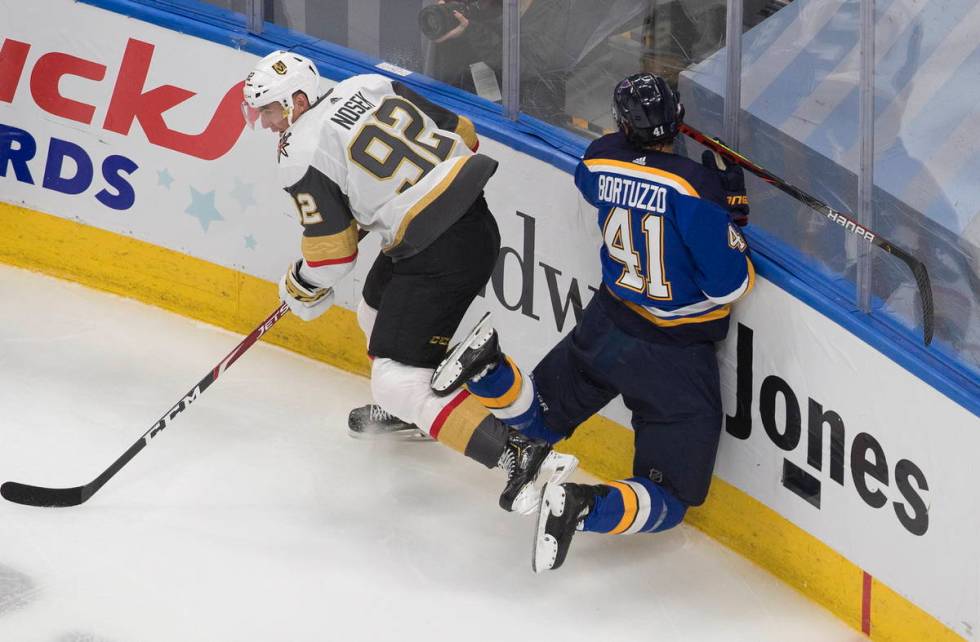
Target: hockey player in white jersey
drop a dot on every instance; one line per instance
(371, 155)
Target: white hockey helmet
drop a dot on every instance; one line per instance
(276, 78)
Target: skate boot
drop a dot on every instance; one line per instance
(471, 358)
(563, 508)
(524, 459)
(372, 422)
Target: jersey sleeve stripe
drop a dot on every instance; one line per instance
(744, 288)
(668, 179)
(331, 249)
(466, 131)
(346, 259)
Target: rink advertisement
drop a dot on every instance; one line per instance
(134, 129)
(853, 449)
(120, 132)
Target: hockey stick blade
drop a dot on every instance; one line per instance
(37, 496)
(845, 221)
(29, 495)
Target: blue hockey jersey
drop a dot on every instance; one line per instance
(669, 252)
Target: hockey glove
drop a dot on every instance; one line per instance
(304, 299)
(733, 182)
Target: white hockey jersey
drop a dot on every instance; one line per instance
(372, 154)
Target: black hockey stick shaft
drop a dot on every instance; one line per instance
(846, 221)
(41, 496)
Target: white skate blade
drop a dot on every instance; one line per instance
(450, 368)
(561, 467)
(527, 501)
(407, 434)
(545, 548)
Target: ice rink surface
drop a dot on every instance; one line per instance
(255, 517)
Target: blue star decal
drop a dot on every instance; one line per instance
(202, 208)
(243, 194)
(250, 242)
(164, 178)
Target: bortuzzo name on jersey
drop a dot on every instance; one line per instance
(632, 193)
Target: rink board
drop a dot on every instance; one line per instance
(839, 470)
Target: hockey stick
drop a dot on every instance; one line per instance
(41, 496)
(844, 220)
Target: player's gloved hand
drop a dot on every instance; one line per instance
(305, 300)
(733, 182)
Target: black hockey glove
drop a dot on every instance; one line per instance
(733, 182)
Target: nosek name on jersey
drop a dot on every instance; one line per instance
(351, 111)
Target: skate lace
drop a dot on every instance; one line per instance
(508, 462)
(379, 414)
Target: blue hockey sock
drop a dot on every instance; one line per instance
(503, 392)
(635, 505)
(533, 426)
(496, 383)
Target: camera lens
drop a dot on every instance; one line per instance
(436, 21)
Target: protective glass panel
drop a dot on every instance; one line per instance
(458, 43)
(927, 166)
(464, 45)
(239, 6)
(573, 52)
(798, 119)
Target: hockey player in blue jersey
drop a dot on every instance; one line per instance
(673, 262)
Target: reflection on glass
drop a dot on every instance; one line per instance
(607, 40)
(926, 165)
(457, 42)
(465, 42)
(800, 119)
(383, 29)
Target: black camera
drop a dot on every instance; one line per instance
(437, 20)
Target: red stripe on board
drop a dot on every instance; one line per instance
(866, 604)
(446, 411)
(346, 259)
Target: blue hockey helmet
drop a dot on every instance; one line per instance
(647, 110)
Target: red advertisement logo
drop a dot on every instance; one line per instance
(130, 101)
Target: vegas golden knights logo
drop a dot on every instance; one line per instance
(279, 68)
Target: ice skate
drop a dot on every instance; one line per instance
(372, 422)
(525, 459)
(563, 507)
(469, 359)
